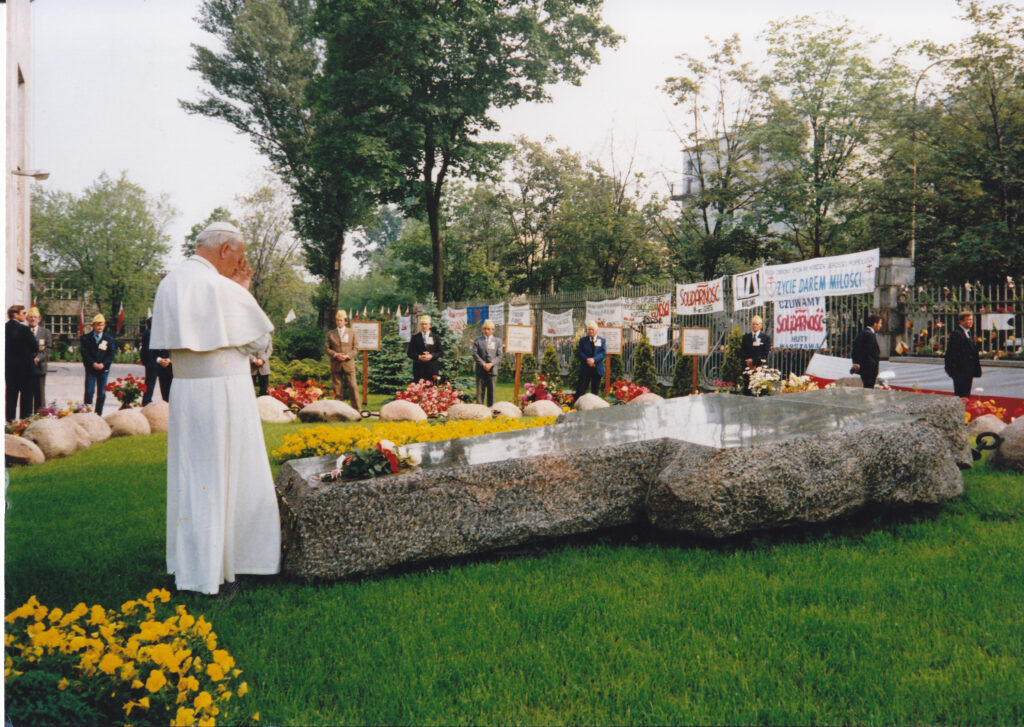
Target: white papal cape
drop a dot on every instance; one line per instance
(222, 516)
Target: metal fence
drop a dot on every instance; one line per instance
(931, 312)
(928, 313)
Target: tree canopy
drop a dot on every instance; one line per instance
(109, 240)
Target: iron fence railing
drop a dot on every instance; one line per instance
(928, 312)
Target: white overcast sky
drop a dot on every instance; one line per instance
(107, 76)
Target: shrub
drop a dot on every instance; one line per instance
(540, 390)
(573, 377)
(644, 372)
(302, 338)
(433, 398)
(528, 368)
(682, 377)
(507, 368)
(550, 368)
(617, 370)
(732, 366)
(148, 662)
(390, 367)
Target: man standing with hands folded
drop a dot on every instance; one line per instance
(341, 351)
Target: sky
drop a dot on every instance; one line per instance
(107, 76)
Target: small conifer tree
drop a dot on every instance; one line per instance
(682, 377)
(572, 378)
(617, 370)
(390, 367)
(644, 372)
(732, 366)
(550, 368)
(528, 367)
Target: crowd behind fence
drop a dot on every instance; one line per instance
(929, 312)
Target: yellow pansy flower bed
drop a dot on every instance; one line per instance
(147, 663)
(327, 439)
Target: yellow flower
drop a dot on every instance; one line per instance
(48, 638)
(243, 689)
(76, 613)
(156, 680)
(161, 654)
(207, 722)
(203, 700)
(110, 662)
(136, 684)
(62, 684)
(55, 614)
(223, 659)
(255, 717)
(144, 702)
(97, 615)
(184, 717)
(214, 671)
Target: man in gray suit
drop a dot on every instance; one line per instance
(44, 342)
(487, 352)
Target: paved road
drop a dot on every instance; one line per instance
(65, 381)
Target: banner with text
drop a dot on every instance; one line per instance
(456, 319)
(557, 324)
(518, 315)
(647, 309)
(404, 327)
(496, 313)
(606, 313)
(746, 290)
(826, 276)
(800, 323)
(695, 298)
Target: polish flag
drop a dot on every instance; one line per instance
(81, 319)
(120, 318)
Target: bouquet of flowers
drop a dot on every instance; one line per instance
(764, 380)
(127, 389)
(361, 464)
(626, 391)
(298, 394)
(432, 397)
(538, 390)
(796, 383)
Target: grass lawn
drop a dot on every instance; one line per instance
(913, 618)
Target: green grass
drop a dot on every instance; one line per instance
(909, 618)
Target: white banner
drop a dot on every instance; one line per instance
(997, 321)
(695, 298)
(456, 319)
(647, 309)
(746, 290)
(606, 313)
(497, 314)
(826, 276)
(800, 323)
(405, 327)
(657, 335)
(557, 324)
(518, 315)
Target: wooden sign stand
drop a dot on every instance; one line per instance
(366, 378)
(519, 365)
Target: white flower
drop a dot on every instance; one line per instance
(387, 444)
(340, 464)
(412, 458)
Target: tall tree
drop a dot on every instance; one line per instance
(219, 214)
(431, 72)
(825, 102)
(721, 108)
(259, 83)
(110, 240)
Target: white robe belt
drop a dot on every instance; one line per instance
(209, 364)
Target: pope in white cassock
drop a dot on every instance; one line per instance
(222, 516)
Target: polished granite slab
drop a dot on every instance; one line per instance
(713, 465)
(720, 421)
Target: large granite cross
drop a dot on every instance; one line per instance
(714, 465)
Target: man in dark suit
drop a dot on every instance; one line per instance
(340, 348)
(962, 361)
(591, 351)
(754, 349)
(425, 351)
(20, 348)
(487, 352)
(866, 354)
(158, 367)
(44, 342)
(97, 357)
